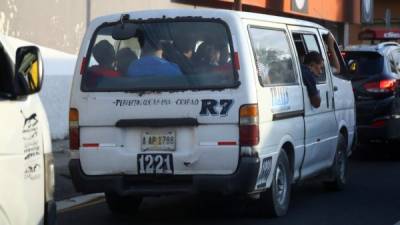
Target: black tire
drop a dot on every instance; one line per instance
(339, 169)
(277, 198)
(123, 204)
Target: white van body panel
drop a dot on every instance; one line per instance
(22, 196)
(274, 100)
(345, 111)
(24, 141)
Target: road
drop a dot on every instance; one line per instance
(372, 197)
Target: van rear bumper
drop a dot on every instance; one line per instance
(388, 131)
(241, 182)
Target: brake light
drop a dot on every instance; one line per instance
(378, 123)
(83, 65)
(382, 86)
(248, 128)
(236, 63)
(74, 140)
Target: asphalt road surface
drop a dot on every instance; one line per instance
(372, 197)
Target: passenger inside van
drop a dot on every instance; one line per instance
(151, 62)
(213, 57)
(124, 57)
(103, 52)
(207, 55)
(181, 52)
(311, 69)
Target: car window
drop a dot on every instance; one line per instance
(394, 61)
(161, 55)
(336, 61)
(311, 44)
(364, 63)
(273, 56)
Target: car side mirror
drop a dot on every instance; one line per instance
(28, 70)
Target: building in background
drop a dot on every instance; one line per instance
(336, 15)
(61, 24)
(380, 21)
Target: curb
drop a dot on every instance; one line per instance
(79, 202)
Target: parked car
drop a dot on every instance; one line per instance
(26, 161)
(375, 76)
(234, 119)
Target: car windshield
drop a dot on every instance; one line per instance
(161, 55)
(364, 63)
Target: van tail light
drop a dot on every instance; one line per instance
(248, 129)
(74, 140)
(236, 63)
(83, 65)
(382, 86)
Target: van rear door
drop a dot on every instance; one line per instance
(167, 103)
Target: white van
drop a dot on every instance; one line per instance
(26, 161)
(203, 100)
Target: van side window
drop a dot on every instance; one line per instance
(273, 57)
(306, 43)
(334, 55)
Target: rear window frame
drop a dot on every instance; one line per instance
(94, 35)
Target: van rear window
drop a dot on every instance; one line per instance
(160, 55)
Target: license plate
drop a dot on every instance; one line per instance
(155, 164)
(157, 141)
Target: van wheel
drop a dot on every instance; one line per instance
(339, 168)
(123, 204)
(277, 197)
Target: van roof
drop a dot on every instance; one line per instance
(209, 13)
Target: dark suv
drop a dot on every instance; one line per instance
(375, 75)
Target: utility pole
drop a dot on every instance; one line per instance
(237, 5)
(88, 10)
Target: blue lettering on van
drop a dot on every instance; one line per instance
(280, 96)
(226, 106)
(141, 102)
(208, 107)
(187, 101)
(280, 99)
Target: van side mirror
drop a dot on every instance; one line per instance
(28, 70)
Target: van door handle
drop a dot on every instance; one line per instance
(335, 88)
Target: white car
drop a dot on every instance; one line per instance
(26, 162)
(175, 101)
